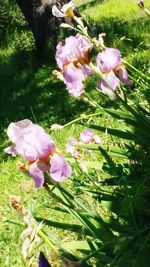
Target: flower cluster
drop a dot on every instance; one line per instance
(33, 144)
(73, 59)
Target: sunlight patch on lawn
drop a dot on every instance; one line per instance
(113, 8)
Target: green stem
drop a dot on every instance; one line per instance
(48, 242)
(136, 70)
(81, 118)
(41, 234)
(82, 30)
(93, 103)
(94, 252)
(90, 255)
(139, 82)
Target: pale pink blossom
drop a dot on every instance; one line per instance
(32, 143)
(36, 170)
(123, 75)
(73, 78)
(88, 136)
(73, 59)
(59, 168)
(109, 62)
(112, 80)
(76, 50)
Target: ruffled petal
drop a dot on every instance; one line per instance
(67, 6)
(36, 170)
(59, 168)
(109, 59)
(11, 150)
(74, 78)
(113, 81)
(86, 69)
(56, 12)
(34, 144)
(123, 76)
(29, 140)
(16, 129)
(76, 49)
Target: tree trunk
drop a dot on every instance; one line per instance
(43, 24)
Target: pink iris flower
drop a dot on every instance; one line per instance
(33, 144)
(88, 137)
(73, 59)
(66, 12)
(109, 62)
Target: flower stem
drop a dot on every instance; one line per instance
(48, 242)
(81, 118)
(136, 70)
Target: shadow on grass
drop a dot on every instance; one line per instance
(30, 91)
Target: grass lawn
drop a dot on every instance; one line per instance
(29, 90)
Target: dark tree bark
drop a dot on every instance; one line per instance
(43, 24)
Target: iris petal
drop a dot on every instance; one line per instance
(59, 169)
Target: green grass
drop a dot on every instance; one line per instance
(28, 90)
(112, 8)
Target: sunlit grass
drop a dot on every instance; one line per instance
(112, 8)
